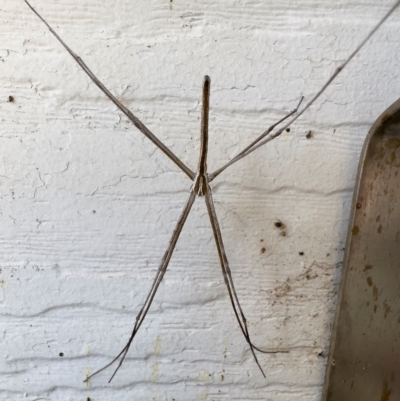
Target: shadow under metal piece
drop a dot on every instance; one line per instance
(364, 358)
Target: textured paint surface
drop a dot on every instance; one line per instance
(87, 204)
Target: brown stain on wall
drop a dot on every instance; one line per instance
(387, 309)
(393, 143)
(393, 158)
(386, 391)
(375, 293)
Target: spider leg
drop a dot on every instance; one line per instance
(263, 135)
(256, 145)
(157, 281)
(136, 122)
(226, 271)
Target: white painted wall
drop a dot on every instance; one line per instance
(87, 205)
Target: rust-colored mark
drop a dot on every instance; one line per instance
(282, 233)
(369, 281)
(367, 267)
(385, 117)
(379, 229)
(358, 205)
(355, 230)
(378, 218)
(387, 309)
(386, 391)
(392, 158)
(375, 293)
(262, 250)
(393, 143)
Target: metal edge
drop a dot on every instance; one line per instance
(381, 120)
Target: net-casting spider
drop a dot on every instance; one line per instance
(201, 187)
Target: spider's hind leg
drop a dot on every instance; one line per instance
(156, 283)
(226, 271)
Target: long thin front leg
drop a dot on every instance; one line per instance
(136, 122)
(226, 271)
(307, 106)
(262, 136)
(156, 283)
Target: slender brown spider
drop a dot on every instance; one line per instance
(201, 188)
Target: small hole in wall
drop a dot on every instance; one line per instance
(287, 129)
(10, 99)
(61, 354)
